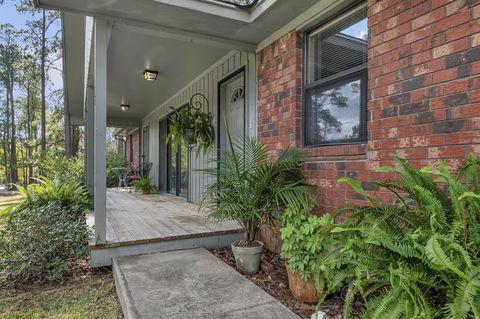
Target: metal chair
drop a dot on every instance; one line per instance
(146, 168)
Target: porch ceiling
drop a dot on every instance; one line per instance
(131, 51)
(179, 38)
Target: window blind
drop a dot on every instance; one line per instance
(338, 46)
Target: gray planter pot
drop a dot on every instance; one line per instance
(248, 258)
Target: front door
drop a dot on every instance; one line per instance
(177, 169)
(232, 108)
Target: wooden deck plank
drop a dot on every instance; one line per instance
(138, 219)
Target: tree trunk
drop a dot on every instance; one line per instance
(13, 143)
(6, 140)
(29, 135)
(43, 124)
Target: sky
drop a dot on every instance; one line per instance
(8, 14)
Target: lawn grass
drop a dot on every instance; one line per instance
(7, 202)
(91, 296)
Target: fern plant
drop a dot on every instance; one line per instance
(143, 185)
(418, 258)
(191, 126)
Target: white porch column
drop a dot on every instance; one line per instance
(89, 139)
(100, 126)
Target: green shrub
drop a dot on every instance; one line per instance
(114, 160)
(418, 258)
(61, 169)
(307, 240)
(143, 185)
(45, 234)
(68, 193)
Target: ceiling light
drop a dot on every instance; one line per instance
(150, 75)
(124, 107)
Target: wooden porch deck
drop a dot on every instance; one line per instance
(155, 220)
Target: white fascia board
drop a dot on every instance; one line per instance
(186, 36)
(123, 122)
(229, 12)
(261, 8)
(130, 131)
(308, 19)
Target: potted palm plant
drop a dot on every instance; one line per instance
(250, 188)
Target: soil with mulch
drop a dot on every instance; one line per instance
(274, 280)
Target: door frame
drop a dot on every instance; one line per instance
(219, 101)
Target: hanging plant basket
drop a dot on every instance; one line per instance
(192, 126)
(190, 132)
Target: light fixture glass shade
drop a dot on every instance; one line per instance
(150, 75)
(124, 107)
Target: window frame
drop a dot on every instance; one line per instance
(359, 71)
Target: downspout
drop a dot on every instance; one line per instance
(124, 141)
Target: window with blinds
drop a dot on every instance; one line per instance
(336, 80)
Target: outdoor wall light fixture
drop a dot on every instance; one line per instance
(150, 75)
(124, 107)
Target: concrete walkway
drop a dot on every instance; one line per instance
(190, 284)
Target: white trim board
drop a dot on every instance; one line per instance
(307, 20)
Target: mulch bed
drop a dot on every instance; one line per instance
(273, 279)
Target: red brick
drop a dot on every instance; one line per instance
(424, 96)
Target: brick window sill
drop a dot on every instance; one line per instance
(331, 151)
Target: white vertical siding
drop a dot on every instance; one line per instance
(207, 84)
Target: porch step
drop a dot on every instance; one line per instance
(189, 284)
(103, 255)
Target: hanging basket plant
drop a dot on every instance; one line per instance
(191, 126)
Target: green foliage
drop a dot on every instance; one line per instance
(190, 119)
(144, 185)
(307, 241)
(86, 298)
(46, 233)
(67, 194)
(418, 258)
(250, 187)
(114, 160)
(62, 169)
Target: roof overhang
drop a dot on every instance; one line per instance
(199, 32)
(240, 29)
(73, 35)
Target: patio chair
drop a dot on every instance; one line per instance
(146, 168)
(136, 173)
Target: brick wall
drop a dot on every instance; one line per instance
(424, 95)
(133, 149)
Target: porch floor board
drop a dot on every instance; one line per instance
(134, 219)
